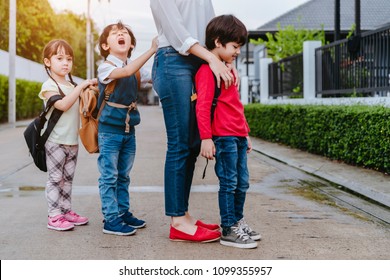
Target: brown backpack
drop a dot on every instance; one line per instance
(90, 115)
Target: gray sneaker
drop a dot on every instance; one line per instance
(252, 234)
(236, 237)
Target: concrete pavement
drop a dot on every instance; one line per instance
(293, 225)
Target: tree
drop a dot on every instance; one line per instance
(37, 24)
(34, 25)
(71, 27)
(288, 41)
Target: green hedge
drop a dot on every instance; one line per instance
(28, 104)
(358, 135)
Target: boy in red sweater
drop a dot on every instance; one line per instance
(225, 135)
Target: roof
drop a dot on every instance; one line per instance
(316, 14)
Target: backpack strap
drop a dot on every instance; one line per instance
(107, 92)
(54, 117)
(132, 106)
(217, 93)
(110, 89)
(111, 85)
(89, 100)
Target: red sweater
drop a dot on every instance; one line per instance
(229, 118)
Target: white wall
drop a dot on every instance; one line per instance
(26, 69)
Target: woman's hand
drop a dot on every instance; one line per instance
(221, 72)
(235, 73)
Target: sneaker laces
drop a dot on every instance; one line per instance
(59, 219)
(74, 214)
(241, 233)
(243, 224)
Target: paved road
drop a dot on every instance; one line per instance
(297, 221)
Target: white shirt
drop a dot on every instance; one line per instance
(181, 23)
(66, 131)
(105, 70)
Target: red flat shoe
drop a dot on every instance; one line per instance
(201, 235)
(208, 226)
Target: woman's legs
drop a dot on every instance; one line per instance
(179, 166)
(173, 79)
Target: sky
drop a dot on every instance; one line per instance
(137, 14)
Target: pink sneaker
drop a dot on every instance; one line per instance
(59, 223)
(75, 218)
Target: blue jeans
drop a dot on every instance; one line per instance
(232, 171)
(172, 76)
(116, 158)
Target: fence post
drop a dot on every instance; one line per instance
(264, 79)
(244, 89)
(309, 69)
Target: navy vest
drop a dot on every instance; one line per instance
(112, 120)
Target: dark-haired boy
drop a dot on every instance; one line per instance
(225, 136)
(116, 135)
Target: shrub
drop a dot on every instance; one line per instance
(357, 135)
(28, 104)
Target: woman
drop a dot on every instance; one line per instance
(181, 26)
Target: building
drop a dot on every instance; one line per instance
(318, 14)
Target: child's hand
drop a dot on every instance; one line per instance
(89, 82)
(94, 81)
(207, 149)
(249, 149)
(154, 44)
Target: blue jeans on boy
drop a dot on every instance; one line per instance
(232, 171)
(173, 80)
(116, 158)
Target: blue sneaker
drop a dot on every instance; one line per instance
(132, 221)
(118, 227)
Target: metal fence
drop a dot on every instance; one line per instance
(355, 67)
(286, 77)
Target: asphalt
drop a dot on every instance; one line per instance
(293, 224)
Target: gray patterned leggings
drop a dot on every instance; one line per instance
(61, 165)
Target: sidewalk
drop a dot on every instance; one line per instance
(292, 227)
(367, 183)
